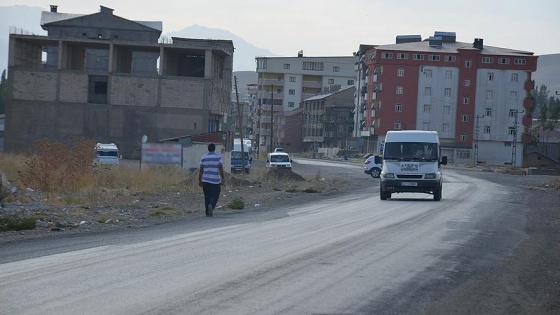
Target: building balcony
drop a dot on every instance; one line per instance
(527, 120)
(274, 82)
(313, 84)
(529, 104)
(529, 85)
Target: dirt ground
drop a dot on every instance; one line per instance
(528, 282)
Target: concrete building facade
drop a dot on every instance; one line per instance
(103, 77)
(477, 97)
(284, 82)
(328, 119)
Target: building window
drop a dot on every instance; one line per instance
(447, 92)
(488, 112)
(513, 95)
(486, 129)
(400, 72)
(316, 66)
(487, 60)
(387, 55)
(286, 66)
(514, 77)
(336, 69)
(433, 57)
(489, 94)
(490, 76)
(331, 81)
(427, 91)
(292, 79)
(447, 110)
(512, 112)
(291, 104)
(428, 73)
(463, 154)
(511, 131)
(507, 143)
(398, 107)
(402, 56)
(467, 82)
(520, 61)
(425, 126)
(261, 63)
(427, 108)
(450, 58)
(463, 137)
(503, 61)
(397, 125)
(418, 57)
(468, 63)
(445, 128)
(466, 100)
(97, 89)
(280, 77)
(465, 118)
(400, 89)
(292, 92)
(350, 82)
(448, 74)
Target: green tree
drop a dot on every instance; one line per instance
(3, 92)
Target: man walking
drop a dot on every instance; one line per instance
(210, 178)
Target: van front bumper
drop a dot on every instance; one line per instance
(396, 185)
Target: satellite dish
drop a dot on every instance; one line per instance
(144, 138)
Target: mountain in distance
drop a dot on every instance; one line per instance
(244, 54)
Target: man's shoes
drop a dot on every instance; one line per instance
(209, 210)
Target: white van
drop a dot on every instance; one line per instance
(280, 160)
(107, 154)
(411, 163)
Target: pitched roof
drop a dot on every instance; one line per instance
(48, 17)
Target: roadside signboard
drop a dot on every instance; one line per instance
(162, 153)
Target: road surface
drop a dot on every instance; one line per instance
(351, 255)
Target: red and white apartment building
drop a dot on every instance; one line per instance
(477, 97)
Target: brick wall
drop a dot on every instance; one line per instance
(136, 91)
(182, 93)
(73, 87)
(34, 85)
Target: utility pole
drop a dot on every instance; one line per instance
(240, 122)
(477, 129)
(271, 116)
(514, 144)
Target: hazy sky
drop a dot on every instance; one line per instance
(337, 28)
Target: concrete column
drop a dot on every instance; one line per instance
(208, 65)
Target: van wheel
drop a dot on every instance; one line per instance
(375, 172)
(383, 195)
(437, 194)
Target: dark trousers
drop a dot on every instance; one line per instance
(211, 194)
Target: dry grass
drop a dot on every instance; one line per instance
(67, 174)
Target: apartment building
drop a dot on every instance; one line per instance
(477, 97)
(328, 119)
(103, 77)
(283, 84)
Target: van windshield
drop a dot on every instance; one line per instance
(411, 151)
(237, 155)
(108, 153)
(279, 158)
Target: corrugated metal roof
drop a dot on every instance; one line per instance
(322, 96)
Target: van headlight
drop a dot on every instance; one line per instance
(389, 175)
(430, 176)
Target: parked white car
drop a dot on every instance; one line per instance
(371, 168)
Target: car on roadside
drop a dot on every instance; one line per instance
(371, 168)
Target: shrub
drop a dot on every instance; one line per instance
(237, 204)
(311, 190)
(14, 223)
(292, 189)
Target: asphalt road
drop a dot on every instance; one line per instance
(354, 254)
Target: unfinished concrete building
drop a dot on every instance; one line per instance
(103, 77)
